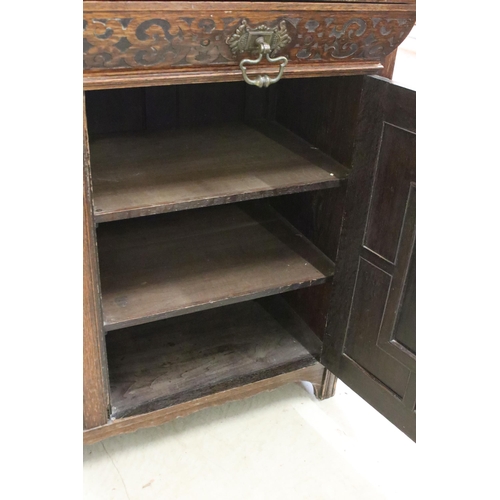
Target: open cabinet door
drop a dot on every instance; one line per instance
(370, 340)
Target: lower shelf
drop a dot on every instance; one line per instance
(169, 362)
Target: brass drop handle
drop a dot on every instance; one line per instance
(263, 80)
(263, 40)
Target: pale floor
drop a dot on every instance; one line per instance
(282, 444)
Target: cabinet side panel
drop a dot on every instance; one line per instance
(318, 216)
(95, 385)
(323, 112)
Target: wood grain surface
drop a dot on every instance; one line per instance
(375, 253)
(104, 5)
(313, 374)
(322, 111)
(168, 36)
(113, 79)
(173, 361)
(283, 1)
(95, 382)
(150, 173)
(166, 265)
(389, 63)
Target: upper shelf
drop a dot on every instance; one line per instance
(150, 173)
(128, 44)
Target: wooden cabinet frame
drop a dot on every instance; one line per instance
(336, 122)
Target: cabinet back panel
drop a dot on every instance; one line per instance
(211, 104)
(162, 112)
(323, 111)
(120, 110)
(163, 108)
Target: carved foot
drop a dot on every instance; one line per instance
(326, 388)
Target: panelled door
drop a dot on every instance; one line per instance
(371, 335)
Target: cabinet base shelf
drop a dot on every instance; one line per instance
(313, 374)
(165, 363)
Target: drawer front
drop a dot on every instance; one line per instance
(176, 36)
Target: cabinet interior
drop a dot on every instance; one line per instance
(218, 210)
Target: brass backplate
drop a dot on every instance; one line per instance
(245, 38)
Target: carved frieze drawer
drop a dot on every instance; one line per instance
(205, 41)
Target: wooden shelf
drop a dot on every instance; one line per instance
(149, 173)
(181, 359)
(167, 265)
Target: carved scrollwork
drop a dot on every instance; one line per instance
(391, 31)
(344, 46)
(169, 40)
(147, 43)
(360, 30)
(354, 39)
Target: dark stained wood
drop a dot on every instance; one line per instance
(399, 321)
(161, 108)
(410, 397)
(366, 315)
(297, 144)
(374, 254)
(380, 397)
(288, 318)
(162, 266)
(389, 62)
(322, 111)
(390, 191)
(218, 104)
(152, 173)
(258, 103)
(164, 108)
(113, 79)
(166, 35)
(313, 374)
(326, 389)
(180, 359)
(316, 214)
(406, 327)
(312, 305)
(119, 110)
(95, 387)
